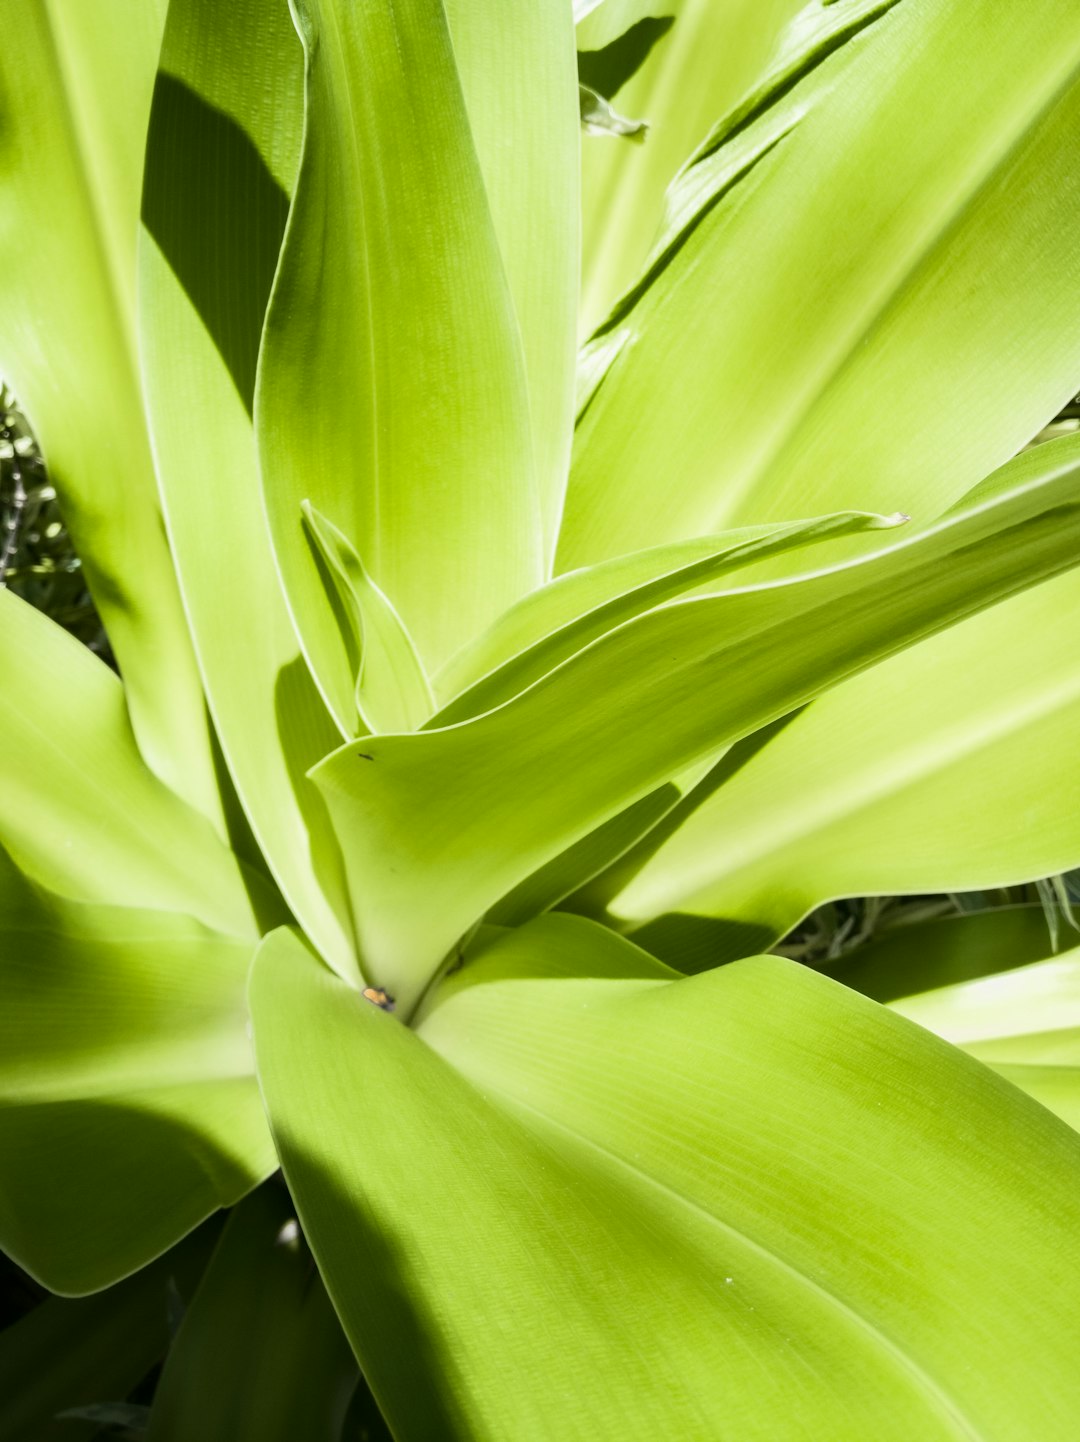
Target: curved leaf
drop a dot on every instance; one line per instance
(392, 391)
(438, 825)
(221, 157)
(128, 1107)
(82, 812)
(667, 1200)
(857, 309)
(689, 62)
(1024, 1023)
(75, 84)
(939, 770)
(562, 618)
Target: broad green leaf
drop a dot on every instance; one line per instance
(687, 62)
(551, 624)
(128, 1107)
(260, 1355)
(928, 955)
(854, 310)
(391, 692)
(519, 80)
(75, 1352)
(392, 391)
(437, 826)
(82, 812)
(221, 157)
(75, 83)
(666, 1200)
(939, 770)
(1024, 1023)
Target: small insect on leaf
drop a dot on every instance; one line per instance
(379, 998)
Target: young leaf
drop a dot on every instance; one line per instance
(518, 76)
(856, 311)
(563, 617)
(391, 692)
(438, 825)
(392, 389)
(649, 1194)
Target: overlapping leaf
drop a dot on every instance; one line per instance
(75, 85)
(939, 770)
(128, 1107)
(853, 309)
(221, 158)
(601, 1206)
(438, 825)
(685, 64)
(82, 812)
(392, 392)
(1024, 1023)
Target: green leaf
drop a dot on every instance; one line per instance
(75, 85)
(82, 812)
(920, 329)
(438, 825)
(927, 955)
(516, 64)
(128, 1107)
(1024, 1023)
(391, 691)
(647, 1194)
(260, 1355)
(69, 1353)
(678, 66)
(392, 390)
(563, 617)
(905, 779)
(221, 156)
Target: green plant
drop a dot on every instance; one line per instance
(481, 738)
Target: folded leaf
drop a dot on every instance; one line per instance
(75, 84)
(82, 812)
(852, 310)
(666, 1199)
(391, 692)
(560, 619)
(221, 158)
(128, 1107)
(260, 1354)
(906, 779)
(75, 1352)
(392, 390)
(438, 825)
(1024, 1023)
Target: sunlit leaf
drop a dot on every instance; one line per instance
(128, 1107)
(688, 1175)
(855, 310)
(438, 825)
